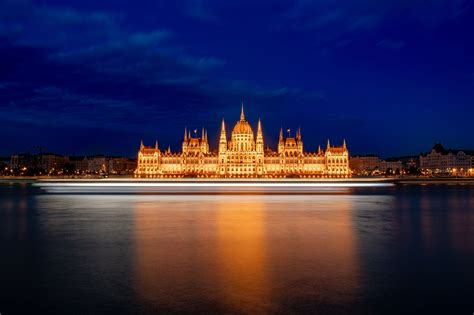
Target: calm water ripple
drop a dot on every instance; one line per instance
(380, 250)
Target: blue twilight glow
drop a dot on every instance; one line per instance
(92, 76)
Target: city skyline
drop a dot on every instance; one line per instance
(83, 77)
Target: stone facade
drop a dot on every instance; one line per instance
(244, 156)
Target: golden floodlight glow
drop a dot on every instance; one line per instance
(244, 156)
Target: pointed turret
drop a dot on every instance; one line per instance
(328, 145)
(184, 146)
(141, 144)
(259, 141)
(156, 145)
(299, 142)
(242, 115)
(223, 137)
(281, 142)
(169, 149)
(222, 140)
(319, 149)
(344, 144)
(204, 146)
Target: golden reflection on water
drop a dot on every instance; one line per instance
(245, 253)
(242, 255)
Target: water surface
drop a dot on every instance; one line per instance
(372, 250)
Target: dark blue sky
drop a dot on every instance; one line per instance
(97, 76)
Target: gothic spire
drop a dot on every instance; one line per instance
(242, 115)
(185, 133)
(344, 144)
(223, 135)
(156, 145)
(281, 133)
(329, 145)
(259, 131)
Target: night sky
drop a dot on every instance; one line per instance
(89, 76)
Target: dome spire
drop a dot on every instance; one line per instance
(242, 115)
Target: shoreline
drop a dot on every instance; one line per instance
(175, 181)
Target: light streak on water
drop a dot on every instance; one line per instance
(205, 187)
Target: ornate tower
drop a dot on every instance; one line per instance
(185, 141)
(204, 145)
(222, 150)
(259, 138)
(281, 142)
(299, 141)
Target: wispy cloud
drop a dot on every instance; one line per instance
(391, 44)
(201, 11)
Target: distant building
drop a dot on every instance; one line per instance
(5, 165)
(97, 164)
(50, 162)
(122, 165)
(40, 164)
(23, 161)
(80, 163)
(409, 161)
(393, 164)
(244, 155)
(447, 161)
(364, 164)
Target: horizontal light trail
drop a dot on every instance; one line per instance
(202, 187)
(222, 184)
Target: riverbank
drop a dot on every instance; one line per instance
(129, 179)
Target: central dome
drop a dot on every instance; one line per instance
(242, 126)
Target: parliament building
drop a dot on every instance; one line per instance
(244, 156)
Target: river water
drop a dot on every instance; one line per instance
(404, 249)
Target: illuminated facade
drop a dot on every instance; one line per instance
(244, 156)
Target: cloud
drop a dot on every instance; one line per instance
(6, 85)
(69, 69)
(202, 63)
(199, 10)
(331, 22)
(391, 44)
